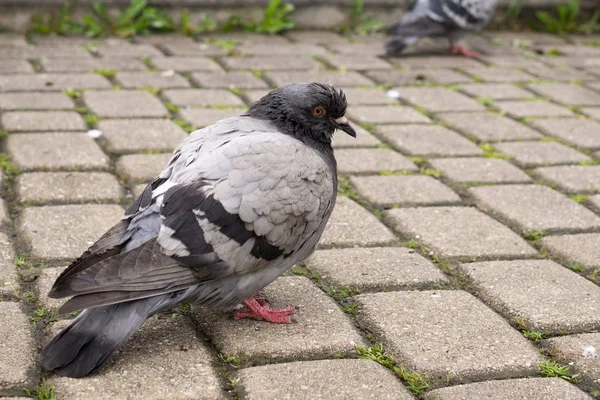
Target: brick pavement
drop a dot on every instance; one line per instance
(465, 237)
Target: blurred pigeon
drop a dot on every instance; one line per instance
(239, 203)
(435, 18)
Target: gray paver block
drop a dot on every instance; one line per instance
(498, 74)
(427, 140)
(352, 62)
(111, 48)
(521, 109)
(439, 99)
(496, 91)
(35, 101)
(514, 389)
(561, 73)
(91, 64)
(581, 132)
(582, 248)
(534, 154)
(49, 151)
(417, 76)
(269, 49)
(363, 139)
(479, 170)
(124, 104)
(573, 178)
(567, 94)
(15, 67)
(282, 62)
(194, 49)
(503, 61)
(404, 190)
(158, 39)
(570, 350)
(534, 208)
(541, 292)
(352, 225)
(9, 279)
(362, 48)
(593, 112)
(321, 328)
(58, 232)
(386, 115)
(18, 358)
(202, 117)
(131, 80)
(239, 79)
(44, 283)
(458, 232)
(164, 360)
(202, 97)
(137, 190)
(4, 219)
(142, 167)
(323, 379)
(69, 187)
(317, 37)
(339, 79)
(134, 135)
(376, 269)
(439, 62)
(368, 96)
(52, 82)
(449, 335)
(365, 161)
(489, 127)
(21, 121)
(595, 201)
(185, 64)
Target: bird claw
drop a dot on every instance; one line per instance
(259, 310)
(462, 50)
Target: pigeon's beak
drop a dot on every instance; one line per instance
(342, 124)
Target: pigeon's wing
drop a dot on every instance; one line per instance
(462, 14)
(228, 204)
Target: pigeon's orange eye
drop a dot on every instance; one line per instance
(318, 111)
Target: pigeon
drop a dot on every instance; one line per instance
(239, 203)
(435, 18)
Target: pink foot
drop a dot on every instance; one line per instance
(259, 310)
(460, 49)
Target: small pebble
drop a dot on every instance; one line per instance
(590, 351)
(393, 94)
(94, 133)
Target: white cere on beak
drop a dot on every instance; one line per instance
(341, 120)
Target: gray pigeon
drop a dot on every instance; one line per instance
(239, 203)
(440, 18)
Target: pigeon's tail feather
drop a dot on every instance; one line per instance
(89, 341)
(406, 33)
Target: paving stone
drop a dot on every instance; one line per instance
(207, 116)
(124, 104)
(15, 67)
(506, 61)
(368, 97)
(356, 48)
(496, 91)
(522, 109)
(561, 73)
(12, 40)
(498, 74)
(35, 101)
(255, 95)
(404, 190)
(514, 389)
(135, 135)
(91, 64)
(159, 39)
(581, 248)
(323, 379)
(239, 79)
(376, 269)
(573, 178)
(18, 358)
(285, 49)
(438, 61)
(427, 140)
(541, 292)
(50, 232)
(352, 225)
(137, 190)
(284, 62)
(363, 139)
(417, 76)
(132, 80)
(245, 38)
(458, 232)
(570, 350)
(593, 112)
(142, 167)
(21, 121)
(185, 64)
(44, 283)
(9, 281)
(530, 38)
(372, 161)
(321, 328)
(317, 37)
(479, 170)
(439, 99)
(595, 201)
(489, 127)
(202, 97)
(57, 50)
(581, 132)
(68, 187)
(339, 79)
(194, 49)
(449, 335)
(51, 151)
(346, 62)
(110, 49)
(164, 352)
(533, 154)
(567, 94)
(4, 218)
(534, 208)
(386, 115)
(52, 82)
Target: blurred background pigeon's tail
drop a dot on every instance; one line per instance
(405, 33)
(89, 341)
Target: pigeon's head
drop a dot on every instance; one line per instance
(307, 111)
